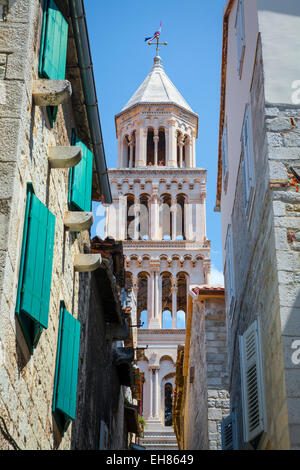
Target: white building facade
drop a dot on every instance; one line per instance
(158, 211)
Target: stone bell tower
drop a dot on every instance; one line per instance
(158, 211)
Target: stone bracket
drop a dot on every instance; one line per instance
(78, 221)
(64, 157)
(85, 263)
(47, 92)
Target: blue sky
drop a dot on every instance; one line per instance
(192, 60)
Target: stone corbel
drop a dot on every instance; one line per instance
(77, 221)
(47, 92)
(64, 157)
(85, 263)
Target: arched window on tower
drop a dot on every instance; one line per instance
(130, 217)
(181, 300)
(180, 217)
(168, 404)
(133, 149)
(166, 217)
(166, 300)
(144, 217)
(142, 303)
(126, 152)
(161, 148)
(150, 147)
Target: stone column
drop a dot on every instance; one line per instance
(131, 153)
(155, 139)
(149, 298)
(188, 153)
(156, 393)
(172, 145)
(174, 290)
(154, 320)
(136, 209)
(154, 218)
(151, 392)
(141, 147)
(173, 212)
(188, 220)
(193, 160)
(122, 222)
(180, 144)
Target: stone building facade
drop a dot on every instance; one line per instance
(158, 211)
(50, 141)
(106, 365)
(258, 196)
(201, 398)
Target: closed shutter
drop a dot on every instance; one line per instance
(38, 259)
(65, 390)
(54, 44)
(229, 432)
(80, 190)
(252, 382)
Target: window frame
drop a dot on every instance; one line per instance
(229, 273)
(224, 154)
(248, 160)
(240, 36)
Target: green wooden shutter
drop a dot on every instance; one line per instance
(67, 365)
(54, 44)
(229, 432)
(80, 191)
(37, 270)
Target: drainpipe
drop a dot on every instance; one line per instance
(77, 14)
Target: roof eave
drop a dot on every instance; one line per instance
(222, 100)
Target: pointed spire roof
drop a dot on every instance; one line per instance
(157, 88)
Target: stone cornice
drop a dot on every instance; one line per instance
(165, 244)
(158, 331)
(160, 171)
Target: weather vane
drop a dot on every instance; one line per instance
(157, 43)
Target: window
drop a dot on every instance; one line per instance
(229, 432)
(53, 51)
(240, 35)
(229, 272)
(66, 370)
(252, 382)
(224, 147)
(80, 180)
(247, 162)
(33, 297)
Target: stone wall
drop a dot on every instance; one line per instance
(283, 133)
(206, 397)
(26, 381)
(266, 262)
(217, 369)
(195, 413)
(100, 395)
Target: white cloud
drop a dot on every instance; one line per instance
(216, 277)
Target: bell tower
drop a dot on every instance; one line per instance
(158, 211)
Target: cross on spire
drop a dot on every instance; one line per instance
(157, 43)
